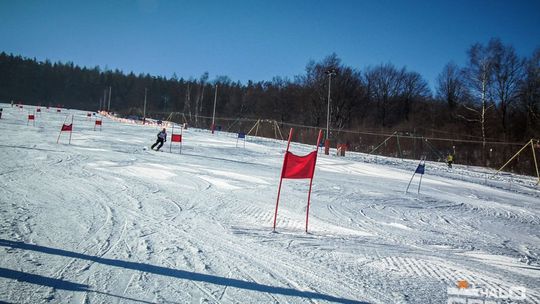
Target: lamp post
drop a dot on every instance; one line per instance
(214, 113)
(104, 100)
(330, 73)
(144, 109)
(109, 106)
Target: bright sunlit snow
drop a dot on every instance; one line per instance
(106, 220)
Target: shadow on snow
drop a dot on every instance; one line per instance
(175, 273)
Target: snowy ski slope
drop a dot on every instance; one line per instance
(105, 220)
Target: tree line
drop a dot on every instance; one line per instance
(494, 97)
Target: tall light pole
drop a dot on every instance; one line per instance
(144, 109)
(330, 73)
(104, 100)
(109, 106)
(214, 113)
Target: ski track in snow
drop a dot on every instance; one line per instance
(105, 220)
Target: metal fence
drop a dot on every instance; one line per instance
(400, 144)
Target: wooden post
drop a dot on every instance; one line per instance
(535, 162)
(515, 155)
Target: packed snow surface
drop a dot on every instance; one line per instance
(107, 220)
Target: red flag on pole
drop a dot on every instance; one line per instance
(98, 123)
(298, 167)
(32, 118)
(66, 128)
(176, 138)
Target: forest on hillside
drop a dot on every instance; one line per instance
(481, 112)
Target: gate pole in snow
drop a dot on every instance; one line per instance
(281, 177)
(182, 138)
(57, 140)
(170, 144)
(420, 170)
(410, 181)
(311, 180)
(420, 183)
(71, 131)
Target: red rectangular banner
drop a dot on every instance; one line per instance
(67, 127)
(30, 117)
(299, 166)
(98, 122)
(176, 138)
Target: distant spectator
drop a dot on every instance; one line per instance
(449, 160)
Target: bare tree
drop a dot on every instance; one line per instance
(507, 70)
(200, 95)
(530, 94)
(348, 91)
(384, 84)
(187, 103)
(478, 75)
(315, 83)
(450, 86)
(414, 87)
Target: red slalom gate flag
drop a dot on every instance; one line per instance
(297, 167)
(67, 127)
(176, 138)
(99, 123)
(32, 118)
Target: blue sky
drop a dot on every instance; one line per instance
(257, 40)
